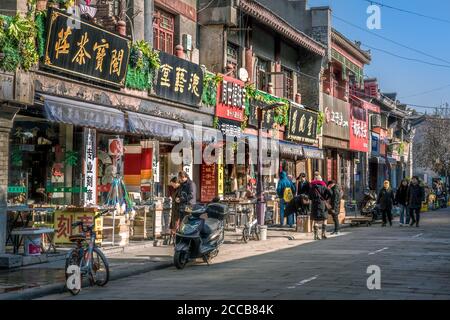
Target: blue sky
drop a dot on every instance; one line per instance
(407, 78)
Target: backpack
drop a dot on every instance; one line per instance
(288, 195)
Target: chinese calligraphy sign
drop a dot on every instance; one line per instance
(179, 80)
(231, 99)
(85, 52)
(302, 125)
(90, 167)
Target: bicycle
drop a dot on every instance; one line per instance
(251, 229)
(87, 256)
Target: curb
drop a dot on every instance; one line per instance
(34, 293)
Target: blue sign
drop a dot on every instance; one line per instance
(375, 143)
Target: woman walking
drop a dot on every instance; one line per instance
(386, 202)
(319, 194)
(400, 200)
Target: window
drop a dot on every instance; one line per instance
(163, 31)
(288, 83)
(262, 68)
(233, 57)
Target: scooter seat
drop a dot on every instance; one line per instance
(210, 226)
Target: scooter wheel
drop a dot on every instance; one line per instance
(180, 259)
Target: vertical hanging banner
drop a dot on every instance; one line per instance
(90, 167)
(220, 175)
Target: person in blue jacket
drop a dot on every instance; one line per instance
(283, 184)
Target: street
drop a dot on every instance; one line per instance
(414, 264)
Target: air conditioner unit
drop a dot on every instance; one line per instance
(375, 120)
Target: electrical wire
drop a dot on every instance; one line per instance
(425, 92)
(406, 58)
(206, 6)
(390, 40)
(408, 11)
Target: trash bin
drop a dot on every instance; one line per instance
(263, 232)
(32, 245)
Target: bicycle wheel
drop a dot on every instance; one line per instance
(245, 235)
(73, 259)
(100, 267)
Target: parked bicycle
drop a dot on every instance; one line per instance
(87, 256)
(251, 229)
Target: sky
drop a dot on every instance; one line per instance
(411, 80)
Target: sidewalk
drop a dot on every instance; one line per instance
(37, 280)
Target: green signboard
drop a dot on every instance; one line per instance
(17, 189)
(66, 189)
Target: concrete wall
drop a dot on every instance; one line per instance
(212, 50)
(294, 12)
(9, 6)
(137, 7)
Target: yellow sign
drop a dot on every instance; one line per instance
(63, 225)
(220, 171)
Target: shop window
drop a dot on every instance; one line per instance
(359, 113)
(163, 31)
(262, 70)
(288, 83)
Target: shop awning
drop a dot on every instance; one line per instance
(153, 126)
(310, 152)
(291, 149)
(207, 134)
(83, 114)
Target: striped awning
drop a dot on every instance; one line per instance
(83, 114)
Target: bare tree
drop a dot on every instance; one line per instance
(432, 150)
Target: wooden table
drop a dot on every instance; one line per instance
(15, 223)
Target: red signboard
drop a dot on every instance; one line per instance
(231, 99)
(359, 132)
(208, 183)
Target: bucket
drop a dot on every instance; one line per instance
(32, 245)
(263, 233)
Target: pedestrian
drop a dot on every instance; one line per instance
(414, 198)
(285, 190)
(175, 214)
(188, 193)
(335, 202)
(303, 185)
(386, 202)
(400, 200)
(319, 194)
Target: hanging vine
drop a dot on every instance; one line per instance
(320, 120)
(142, 66)
(210, 83)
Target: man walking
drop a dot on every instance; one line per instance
(303, 185)
(386, 202)
(335, 202)
(415, 196)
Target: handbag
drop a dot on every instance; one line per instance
(327, 204)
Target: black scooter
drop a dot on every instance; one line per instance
(200, 237)
(368, 205)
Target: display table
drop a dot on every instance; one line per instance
(27, 233)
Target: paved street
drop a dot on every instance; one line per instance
(414, 263)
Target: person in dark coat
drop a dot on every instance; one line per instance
(335, 202)
(414, 199)
(400, 200)
(188, 193)
(174, 194)
(303, 185)
(318, 194)
(385, 202)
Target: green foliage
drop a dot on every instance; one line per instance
(17, 36)
(281, 112)
(210, 83)
(143, 64)
(216, 122)
(41, 32)
(320, 120)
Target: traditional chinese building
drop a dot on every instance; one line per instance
(345, 133)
